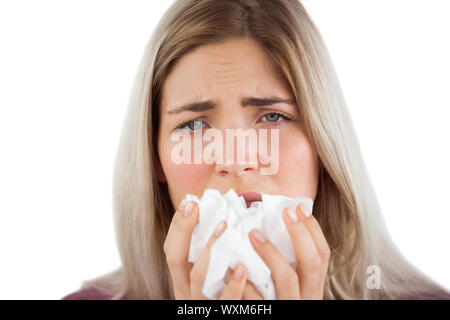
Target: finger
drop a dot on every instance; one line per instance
(284, 276)
(198, 271)
(176, 247)
(319, 239)
(310, 265)
(315, 231)
(236, 284)
(250, 292)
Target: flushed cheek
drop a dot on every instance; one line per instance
(181, 173)
(186, 178)
(297, 171)
(188, 174)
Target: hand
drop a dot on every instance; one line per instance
(312, 254)
(188, 278)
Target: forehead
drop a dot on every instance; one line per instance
(237, 67)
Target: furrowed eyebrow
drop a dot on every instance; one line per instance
(260, 102)
(245, 102)
(194, 107)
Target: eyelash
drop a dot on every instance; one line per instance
(282, 114)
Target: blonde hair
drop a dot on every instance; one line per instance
(345, 205)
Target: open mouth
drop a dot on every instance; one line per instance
(250, 196)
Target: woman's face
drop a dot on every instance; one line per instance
(225, 74)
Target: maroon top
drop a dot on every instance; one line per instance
(96, 294)
(89, 294)
(437, 295)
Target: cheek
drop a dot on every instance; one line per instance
(186, 176)
(181, 174)
(183, 178)
(298, 170)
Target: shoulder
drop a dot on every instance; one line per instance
(88, 294)
(434, 295)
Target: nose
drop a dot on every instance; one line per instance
(236, 169)
(235, 164)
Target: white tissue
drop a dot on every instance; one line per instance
(234, 245)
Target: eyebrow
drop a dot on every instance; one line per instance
(245, 102)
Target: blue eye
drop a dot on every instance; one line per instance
(191, 125)
(275, 116)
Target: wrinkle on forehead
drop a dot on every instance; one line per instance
(225, 68)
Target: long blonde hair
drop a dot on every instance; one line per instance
(345, 205)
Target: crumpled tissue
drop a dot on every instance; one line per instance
(234, 246)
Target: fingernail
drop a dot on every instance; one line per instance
(258, 235)
(238, 272)
(182, 204)
(220, 228)
(292, 215)
(188, 208)
(305, 211)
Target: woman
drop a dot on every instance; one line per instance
(225, 54)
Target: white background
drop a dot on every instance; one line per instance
(66, 70)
